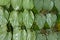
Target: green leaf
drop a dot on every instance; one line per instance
(8, 36)
(40, 20)
(40, 37)
(3, 35)
(20, 18)
(29, 34)
(28, 4)
(3, 28)
(8, 5)
(4, 2)
(17, 34)
(52, 36)
(28, 18)
(51, 19)
(3, 32)
(58, 18)
(24, 34)
(33, 36)
(48, 5)
(58, 34)
(14, 19)
(38, 4)
(6, 14)
(16, 4)
(57, 4)
(3, 20)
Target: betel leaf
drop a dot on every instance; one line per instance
(6, 14)
(58, 18)
(48, 4)
(52, 36)
(28, 4)
(14, 19)
(58, 22)
(40, 37)
(3, 28)
(17, 34)
(33, 35)
(3, 32)
(8, 5)
(4, 2)
(8, 36)
(51, 19)
(24, 34)
(29, 34)
(20, 18)
(28, 18)
(38, 5)
(16, 4)
(3, 20)
(40, 20)
(57, 4)
(58, 34)
(3, 35)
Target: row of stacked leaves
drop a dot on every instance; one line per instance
(29, 19)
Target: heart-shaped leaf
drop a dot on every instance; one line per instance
(20, 18)
(40, 20)
(51, 19)
(57, 4)
(17, 34)
(16, 4)
(31, 35)
(4, 2)
(14, 19)
(28, 18)
(24, 34)
(52, 36)
(28, 4)
(38, 5)
(40, 37)
(3, 20)
(48, 5)
(8, 36)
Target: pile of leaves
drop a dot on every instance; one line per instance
(29, 19)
